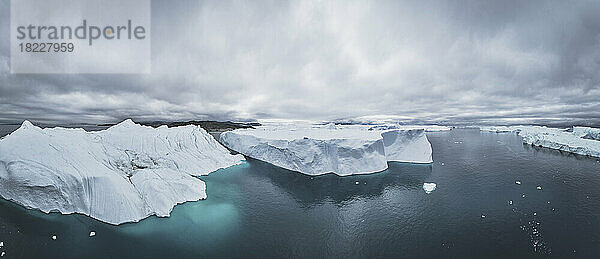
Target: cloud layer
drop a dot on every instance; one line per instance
(425, 61)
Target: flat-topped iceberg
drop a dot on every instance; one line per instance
(561, 140)
(342, 150)
(122, 174)
(580, 140)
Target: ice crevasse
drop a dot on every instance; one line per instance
(321, 150)
(122, 174)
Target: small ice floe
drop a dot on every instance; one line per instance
(552, 209)
(356, 183)
(518, 182)
(535, 214)
(53, 237)
(482, 216)
(523, 195)
(442, 163)
(429, 187)
(92, 233)
(510, 202)
(538, 187)
(548, 202)
(1, 243)
(2, 254)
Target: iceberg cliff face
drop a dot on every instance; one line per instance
(122, 174)
(327, 149)
(410, 146)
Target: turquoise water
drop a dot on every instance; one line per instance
(258, 210)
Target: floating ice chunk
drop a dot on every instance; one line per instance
(92, 233)
(1, 243)
(122, 174)
(539, 187)
(54, 237)
(523, 195)
(482, 216)
(535, 214)
(510, 202)
(518, 182)
(357, 183)
(2, 254)
(429, 187)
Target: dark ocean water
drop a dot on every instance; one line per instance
(256, 210)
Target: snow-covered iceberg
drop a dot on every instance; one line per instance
(580, 140)
(122, 174)
(343, 150)
(561, 140)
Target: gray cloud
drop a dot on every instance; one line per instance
(427, 61)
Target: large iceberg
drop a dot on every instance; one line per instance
(343, 150)
(580, 140)
(122, 174)
(561, 140)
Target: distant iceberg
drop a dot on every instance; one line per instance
(497, 129)
(580, 140)
(122, 174)
(342, 150)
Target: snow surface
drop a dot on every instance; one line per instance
(581, 140)
(122, 174)
(587, 132)
(429, 187)
(320, 149)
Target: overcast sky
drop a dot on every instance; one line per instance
(445, 61)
